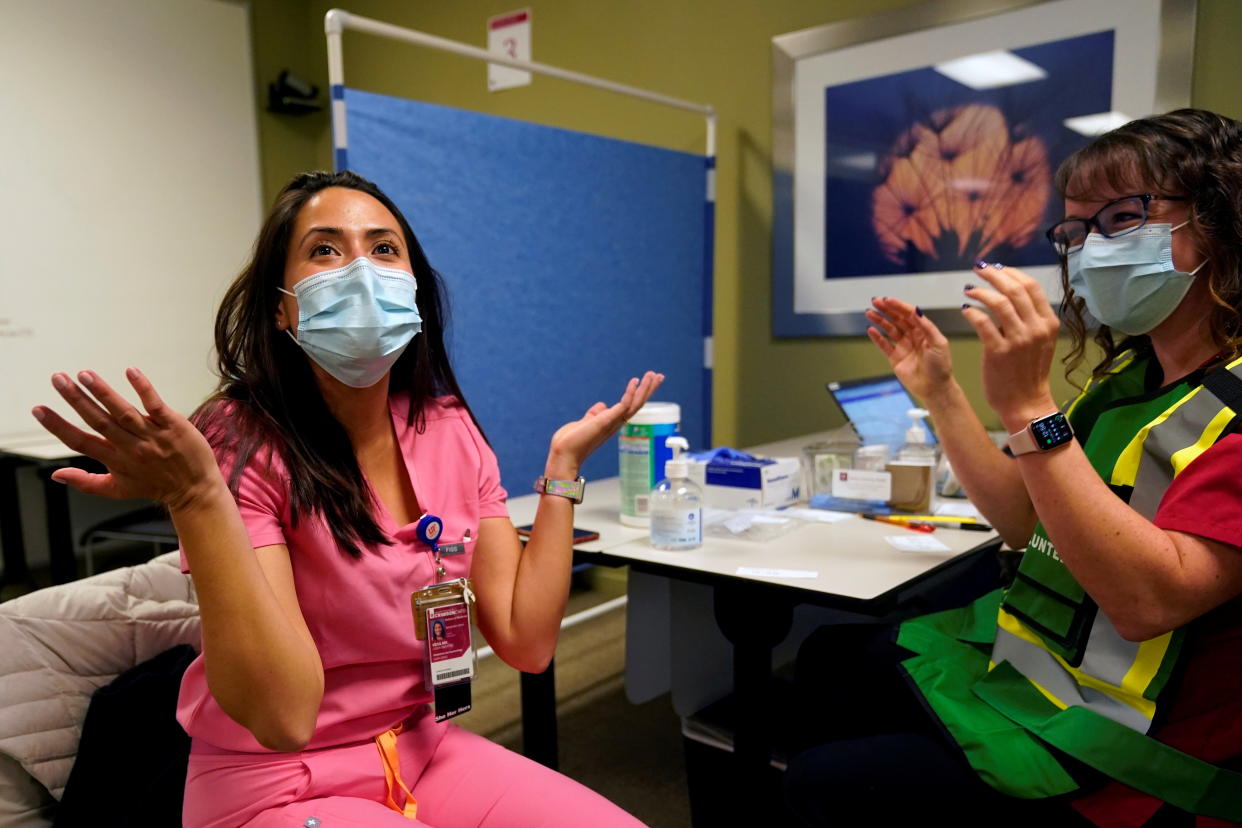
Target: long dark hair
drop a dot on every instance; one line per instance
(1189, 152)
(268, 398)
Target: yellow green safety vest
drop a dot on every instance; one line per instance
(1058, 666)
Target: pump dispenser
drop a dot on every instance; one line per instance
(916, 448)
(676, 504)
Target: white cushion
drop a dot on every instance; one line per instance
(58, 645)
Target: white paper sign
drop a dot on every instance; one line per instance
(862, 485)
(508, 34)
(916, 543)
(760, 572)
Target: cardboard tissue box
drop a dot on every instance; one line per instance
(733, 479)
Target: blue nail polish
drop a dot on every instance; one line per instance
(965, 306)
(969, 287)
(998, 266)
(918, 310)
(981, 264)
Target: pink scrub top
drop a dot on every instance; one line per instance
(358, 610)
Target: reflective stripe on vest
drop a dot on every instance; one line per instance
(1104, 683)
(1116, 678)
(1118, 365)
(1166, 445)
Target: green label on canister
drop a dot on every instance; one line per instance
(643, 454)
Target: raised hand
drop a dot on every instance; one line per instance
(1019, 336)
(573, 442)
(158, 455)
(916, 349)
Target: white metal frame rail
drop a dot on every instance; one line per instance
(337, 21)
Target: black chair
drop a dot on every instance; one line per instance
(150, 524)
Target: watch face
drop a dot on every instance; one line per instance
(1051, 431)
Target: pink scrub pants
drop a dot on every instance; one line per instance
(463, 781)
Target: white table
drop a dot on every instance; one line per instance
(696, 622)
(830, 549)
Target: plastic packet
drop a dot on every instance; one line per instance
(747, 524)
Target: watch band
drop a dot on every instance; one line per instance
(1022, 442)
(570, 489)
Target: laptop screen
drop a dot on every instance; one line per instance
(876, 407)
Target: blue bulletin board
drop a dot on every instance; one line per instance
(571, 262)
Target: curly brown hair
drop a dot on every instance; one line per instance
(1189, 152)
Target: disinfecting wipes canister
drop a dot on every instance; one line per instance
(642, 457)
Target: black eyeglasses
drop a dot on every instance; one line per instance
(1116, 218)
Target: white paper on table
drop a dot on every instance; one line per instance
(964, 509)
(818, 515)
(916, 543)
(760, 572)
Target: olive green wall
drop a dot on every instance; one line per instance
(716, 53)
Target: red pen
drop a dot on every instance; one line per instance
(913, 525)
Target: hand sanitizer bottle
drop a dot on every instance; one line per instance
(913, 467)
(676, 504)
(916, 448)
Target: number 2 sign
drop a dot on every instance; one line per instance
(509, 35)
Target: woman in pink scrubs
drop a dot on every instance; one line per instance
(297, 493)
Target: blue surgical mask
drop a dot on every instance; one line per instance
(356, 321)
(1129, 282)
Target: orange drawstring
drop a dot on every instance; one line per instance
(387, 744)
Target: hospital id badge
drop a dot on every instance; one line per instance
(442, 616)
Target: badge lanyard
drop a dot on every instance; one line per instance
(443, 615)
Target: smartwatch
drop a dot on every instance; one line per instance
(1041, 434)
(571, 489)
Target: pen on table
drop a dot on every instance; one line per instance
(914, 525)
(932, 518)
(944, 521)
(969, 526)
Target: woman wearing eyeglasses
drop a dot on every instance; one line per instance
(1103, 686)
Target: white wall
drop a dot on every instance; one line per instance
(129, 191)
